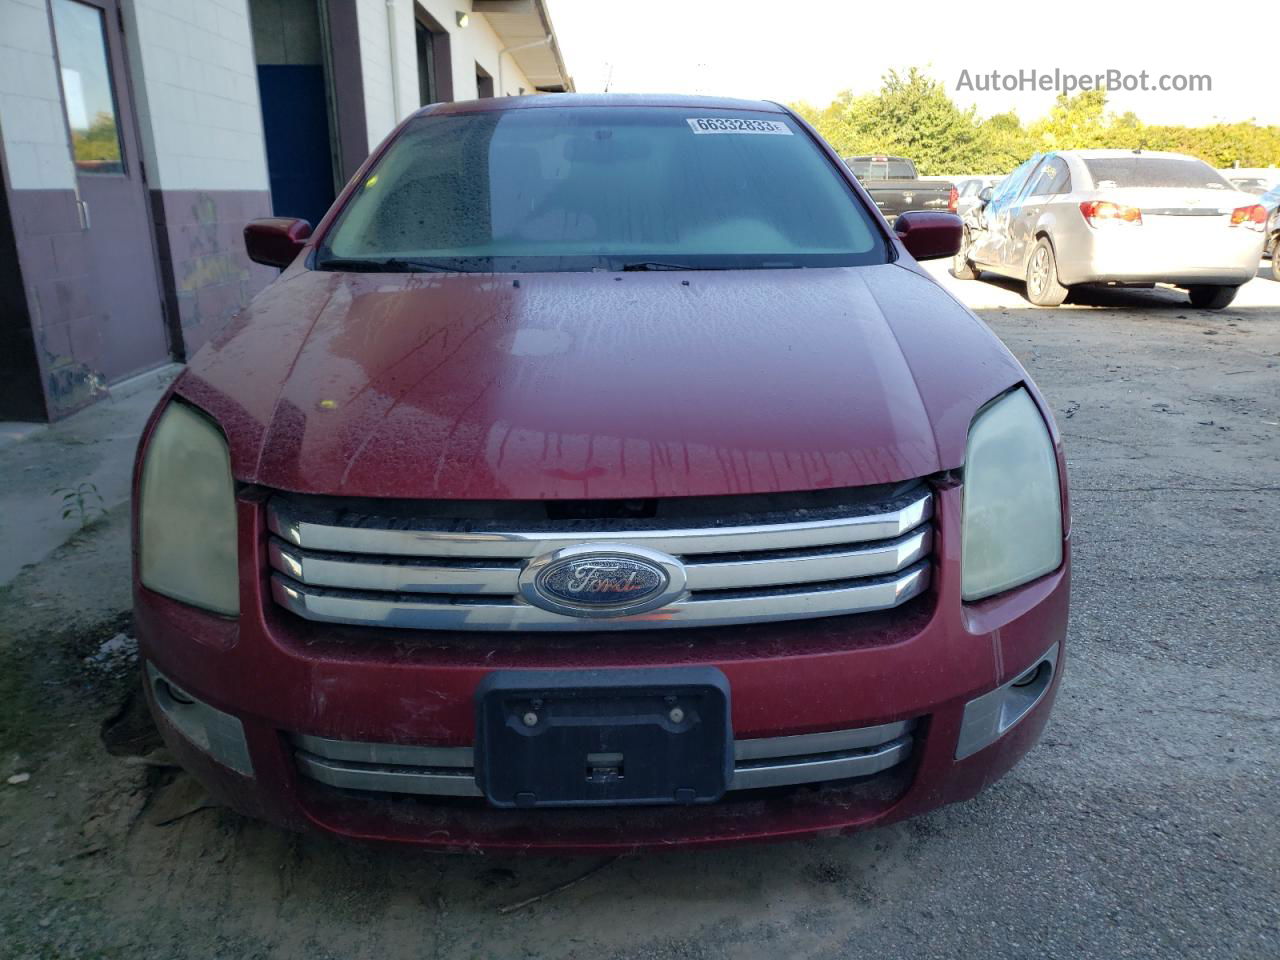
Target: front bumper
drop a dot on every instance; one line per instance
(282, 678)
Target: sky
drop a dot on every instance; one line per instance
(810, 51)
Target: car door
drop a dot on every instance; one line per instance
(969, 196)
(1013, 217)
(987, 234)
(1029, 208)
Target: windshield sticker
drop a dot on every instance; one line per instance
(737, 125)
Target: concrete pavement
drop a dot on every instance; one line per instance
(94, 447)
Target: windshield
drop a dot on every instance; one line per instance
(1191, 174)
(881, 168)
(602, 188)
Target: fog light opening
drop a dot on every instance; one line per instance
(218, 734)
(992, 715)
(1032, 675)
(173, 693)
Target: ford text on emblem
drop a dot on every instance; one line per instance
(602, 580)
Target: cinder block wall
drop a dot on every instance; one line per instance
(194, 90)
(46, 370)
(195, 83)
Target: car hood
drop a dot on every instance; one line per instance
(597, 385)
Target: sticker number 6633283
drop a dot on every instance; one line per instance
(737, 125)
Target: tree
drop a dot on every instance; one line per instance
(1005, 143)
(100, 143)
(1074, 123)
(911, 115)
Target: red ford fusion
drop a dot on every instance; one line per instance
(602, 473)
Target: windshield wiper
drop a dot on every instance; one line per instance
(659, 265)
(386, 265)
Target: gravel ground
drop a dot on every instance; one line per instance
(1144, 825)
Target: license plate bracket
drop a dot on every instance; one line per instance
(560, 738)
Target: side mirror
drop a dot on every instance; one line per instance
(929, 235)
(275, 241)
(985, 195)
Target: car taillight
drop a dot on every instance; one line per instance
(953, 200)
(1098, 212)
(1254, 217)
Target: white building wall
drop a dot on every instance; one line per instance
(36, 146)
(476, 43)
(479, 44)
(375, 62)
(196, 89)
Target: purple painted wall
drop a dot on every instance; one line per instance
(207, 276)
(58, 278)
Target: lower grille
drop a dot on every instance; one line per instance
(393, 566)
(449, 771)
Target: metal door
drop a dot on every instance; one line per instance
(128, 334)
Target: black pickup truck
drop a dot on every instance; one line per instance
(896, 187)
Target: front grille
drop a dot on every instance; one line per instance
(758, 764)
(419, 567)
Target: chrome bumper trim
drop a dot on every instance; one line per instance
(423, 781)
(387, 753)
(448, 771)
(830, 741)
(780, 773)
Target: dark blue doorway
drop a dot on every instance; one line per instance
(295, 121)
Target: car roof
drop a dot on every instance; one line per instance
(571, 100)
(1106, 154)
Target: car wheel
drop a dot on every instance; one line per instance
(1211, 298)
(1275, 258)
(1043, 288)
(961, 266)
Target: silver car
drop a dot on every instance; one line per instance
(1119, 217)
(969, 190)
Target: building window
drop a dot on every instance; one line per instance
(426, 67)
(87, 88)
(484, 82)
(435, 70)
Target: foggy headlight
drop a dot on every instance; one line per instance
(187, 521)
(1012, 501)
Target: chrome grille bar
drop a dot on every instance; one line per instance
(867, 561)
(358, 572)
(456, 612)
(344, 566)
(292, 524)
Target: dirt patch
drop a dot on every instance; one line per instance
(52, 672)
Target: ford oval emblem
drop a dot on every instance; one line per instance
(602, 580)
